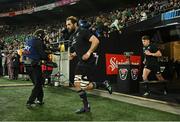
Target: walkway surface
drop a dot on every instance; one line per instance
(141, 101)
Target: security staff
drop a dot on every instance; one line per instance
(83, 44)
(34, 52)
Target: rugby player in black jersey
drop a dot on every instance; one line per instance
(83, 44)
(151, 54)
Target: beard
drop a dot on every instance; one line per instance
(71, 30)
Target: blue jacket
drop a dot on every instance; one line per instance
(34, 49)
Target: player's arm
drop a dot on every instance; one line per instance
(94, 44)
(156, 54)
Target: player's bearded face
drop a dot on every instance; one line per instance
(70, 26)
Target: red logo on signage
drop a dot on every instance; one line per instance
(112, 62)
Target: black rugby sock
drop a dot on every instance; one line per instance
(84, 99)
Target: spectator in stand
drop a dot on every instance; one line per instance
(1, 67)
(16, 63)
(1, 48)
(5, 69)
(143, 16)
(10, 65)
(20, 52)
(116, 25)
(100, 23)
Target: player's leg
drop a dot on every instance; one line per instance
(146, 72)
(97, 80)
(81, 87)
(159, 76)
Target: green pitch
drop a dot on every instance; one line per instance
(60, 104)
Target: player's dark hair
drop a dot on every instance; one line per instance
(145, 37)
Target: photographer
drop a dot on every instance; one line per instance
(34, 52)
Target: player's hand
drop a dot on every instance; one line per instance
(147, 52)
(86, 56)
(71, 56)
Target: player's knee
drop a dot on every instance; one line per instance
(159, 77)
(77, 85)
(90, 86)
(144, 77)
(77, 81)
(84, 84)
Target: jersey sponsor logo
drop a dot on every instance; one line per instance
(123, 73)
(149, 47)
(77, 34)
(73, 41)
(146, 48)
(74, 38)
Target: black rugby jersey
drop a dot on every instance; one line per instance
(151, 60)
(80, 44)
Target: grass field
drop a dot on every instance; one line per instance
(4, 81)
(60, 104)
